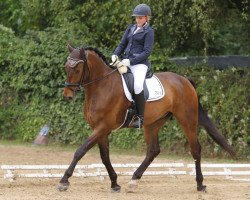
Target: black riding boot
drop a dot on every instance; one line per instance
(139, 104)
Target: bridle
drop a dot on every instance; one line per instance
(85, 66)
(76, 62)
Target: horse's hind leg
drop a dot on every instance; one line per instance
(197, 158)
(195, 148)
(104, 152)
(80, 152)
(189, 125)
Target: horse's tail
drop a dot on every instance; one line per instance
(206, 122)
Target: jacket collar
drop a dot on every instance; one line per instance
(134, 27)
(146, 26)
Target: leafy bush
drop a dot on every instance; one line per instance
(31, 96)
(32, 58)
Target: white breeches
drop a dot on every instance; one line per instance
(139, 71)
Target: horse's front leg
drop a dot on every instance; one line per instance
(80, 152)
(153, 149)
(104, 152)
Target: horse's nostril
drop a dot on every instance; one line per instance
(68, 98)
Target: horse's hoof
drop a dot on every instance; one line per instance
(202, 188)
(132, 186)
(115, 189)
(63, 186)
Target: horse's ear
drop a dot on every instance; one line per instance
(70, 48)
(82, 53)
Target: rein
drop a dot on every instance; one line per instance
(99, 79)
(80, 83)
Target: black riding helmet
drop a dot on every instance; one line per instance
(142, 10)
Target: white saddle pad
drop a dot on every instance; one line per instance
(155, 89)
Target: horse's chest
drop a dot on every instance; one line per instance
(90, 113)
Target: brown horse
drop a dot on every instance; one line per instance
(105, 109)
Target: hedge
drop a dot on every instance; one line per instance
(31, 95)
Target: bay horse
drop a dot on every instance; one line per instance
(105, 107)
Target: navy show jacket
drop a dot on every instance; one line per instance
(136, 47)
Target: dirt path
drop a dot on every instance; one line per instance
(150, 188)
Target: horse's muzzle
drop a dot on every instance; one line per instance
(68, 94)
(68, 98)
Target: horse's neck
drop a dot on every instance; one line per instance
(97, 67)
(99, 76)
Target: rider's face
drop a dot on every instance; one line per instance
(140, 20)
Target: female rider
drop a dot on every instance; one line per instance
(135, 47)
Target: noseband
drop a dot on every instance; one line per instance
(73, 63)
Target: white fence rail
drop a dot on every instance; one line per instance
(49, 171)
(242, 171)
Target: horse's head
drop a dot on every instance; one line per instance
(74, 68)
